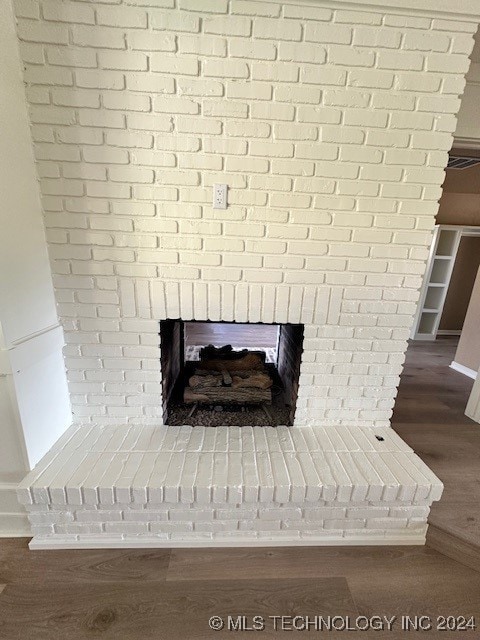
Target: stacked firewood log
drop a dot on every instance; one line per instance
(225, 376)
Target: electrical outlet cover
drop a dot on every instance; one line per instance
(219, 196)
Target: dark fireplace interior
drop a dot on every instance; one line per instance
(228, 373)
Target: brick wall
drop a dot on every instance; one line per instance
(331, 128)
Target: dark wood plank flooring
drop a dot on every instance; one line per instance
(430, 392)
(175, 598)
(429, 415)
(156, 594)
(128, 611)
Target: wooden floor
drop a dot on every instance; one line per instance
(429, 416)
(160, 594)
(150, 594)
(430, 392)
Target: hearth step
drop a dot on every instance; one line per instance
(172, 486)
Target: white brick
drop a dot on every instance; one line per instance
(378, 38)
(130, 174)
(296, 168)
(202, 45)
(171, 21)
(99, 80)
(249, 91)
(252, 49)
(447, 63)
(193, 125)
(149, 122)
(327, 33)
(125, 101)
(98, 190)
(277, 72)
(295, 132)
(144, 41)
(101, 119)
(266, 28)
(122, 17)
(247, 7)
(68, 12)
(104, 37)
(287, 93)
(33, 53)
(166, 104)
(424, 41)
(272, 111)
(225, 109)
(225, 69)
(223, 146)
(27, 9)
(71, 57)
(247, 129)
(208, 6)
(31, 31)
(371, 79)
(166, 64)
(125, 60)
(351, 57)
(254, 165)
(153, 158)
(199, 87)
(230, 26)
(301, 52)
(102, 155)
(48, 75)
(325, 75)
(189, 161)
(400, 60)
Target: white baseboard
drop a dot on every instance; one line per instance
(471, 373)
(104, 542)
(14, 525)
(13, 518)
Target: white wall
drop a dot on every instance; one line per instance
(34, 405)
(468, 125)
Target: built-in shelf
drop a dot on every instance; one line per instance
(440, 271)
(433, 298)
(440, 265)
(447, 243)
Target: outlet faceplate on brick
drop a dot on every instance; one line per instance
(219, 196)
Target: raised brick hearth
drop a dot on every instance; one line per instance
(177, 486)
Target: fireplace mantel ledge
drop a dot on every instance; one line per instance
(212, 486)
(462, 9)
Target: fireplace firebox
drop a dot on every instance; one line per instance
(228, 373)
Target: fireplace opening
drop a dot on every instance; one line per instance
(229, 373)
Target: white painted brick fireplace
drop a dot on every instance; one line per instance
(330, 122)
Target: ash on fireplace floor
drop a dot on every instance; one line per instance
(208, 417)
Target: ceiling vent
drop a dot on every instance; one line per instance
(460, 162)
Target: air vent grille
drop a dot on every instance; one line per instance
(460, 162)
